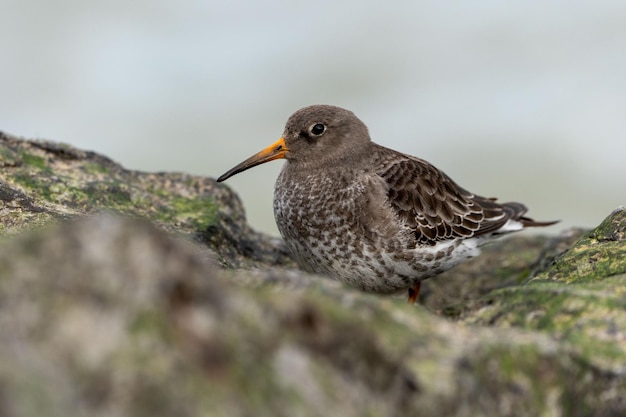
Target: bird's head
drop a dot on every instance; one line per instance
(315, 136)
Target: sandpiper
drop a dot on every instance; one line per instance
(372, 217)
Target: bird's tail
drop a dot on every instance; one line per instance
(516, 211)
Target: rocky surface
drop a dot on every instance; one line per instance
(169, 304)
(44, 181)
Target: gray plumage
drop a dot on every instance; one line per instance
(370, 216)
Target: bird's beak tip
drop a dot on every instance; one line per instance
(277, 150)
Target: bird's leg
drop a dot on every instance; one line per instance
(414, 291)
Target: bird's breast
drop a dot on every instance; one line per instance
(318, 217)
(314, 205)
(343, 227)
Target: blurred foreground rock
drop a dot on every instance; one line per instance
(132, 312)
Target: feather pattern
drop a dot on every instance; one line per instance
(370, 216)
(430, 203)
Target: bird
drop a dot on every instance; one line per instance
(369, 216)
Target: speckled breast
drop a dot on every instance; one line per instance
(326, 223)
(315, 217)
(321, 219)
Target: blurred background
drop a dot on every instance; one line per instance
(523, 101)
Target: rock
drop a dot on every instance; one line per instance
(43, 181)
(580, 300)
(133, 313)
(597, 255)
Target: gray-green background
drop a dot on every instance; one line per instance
(525, 101)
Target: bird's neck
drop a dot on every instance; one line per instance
(331, 161)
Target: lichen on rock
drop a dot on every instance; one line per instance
(43, 181)
(148, 294)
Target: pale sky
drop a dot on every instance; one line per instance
(522, 101)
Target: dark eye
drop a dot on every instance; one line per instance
(318, 129)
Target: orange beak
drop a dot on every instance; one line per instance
(276, 150)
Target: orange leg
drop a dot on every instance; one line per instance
(414, 291)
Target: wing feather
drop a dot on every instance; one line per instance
(435, 207)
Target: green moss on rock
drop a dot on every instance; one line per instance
(43, 181)
(578, 301)
(35, 161)
(118, 315)
(601, 253)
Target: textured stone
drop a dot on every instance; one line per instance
(43, 181)
(133, 313)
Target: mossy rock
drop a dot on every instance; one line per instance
(111, 313)
(175, 306)
(43, 182)
(601, 253)
(580, 299)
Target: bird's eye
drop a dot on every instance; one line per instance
(317, 129)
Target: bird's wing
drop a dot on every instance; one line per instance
(435, 207)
